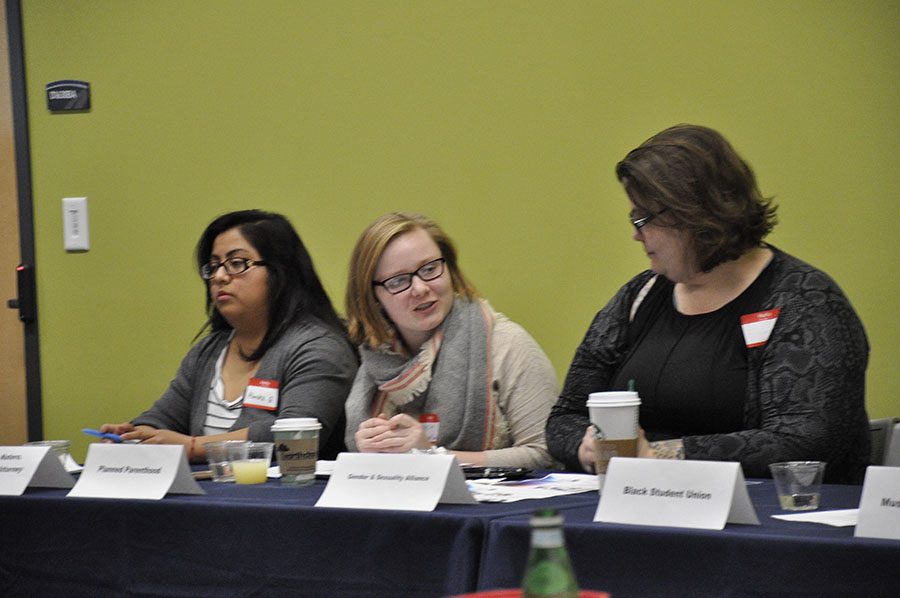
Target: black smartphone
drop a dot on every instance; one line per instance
(509, 473)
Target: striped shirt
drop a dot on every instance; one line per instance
(220, 414)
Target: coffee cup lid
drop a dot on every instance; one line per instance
(613, 395)
(613, 399)
(296, 423)
(623, 403)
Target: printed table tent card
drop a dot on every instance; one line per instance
(396, 482)
(31, 466)
(879, 505)
(144, 471)
(693, 494)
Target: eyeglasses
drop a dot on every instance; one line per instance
(401, 282)
(233, 266)
(642, 222)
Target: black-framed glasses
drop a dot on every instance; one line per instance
(401, 282)
(640, 223)
(233, 266)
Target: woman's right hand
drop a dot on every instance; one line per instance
(117, 428)
(129, 431)
(586, 454)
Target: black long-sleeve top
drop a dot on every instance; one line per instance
(805, 387)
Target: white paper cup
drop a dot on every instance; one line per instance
(614, 416)
(297, 449)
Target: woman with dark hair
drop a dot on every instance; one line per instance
(739, 351)
(430, 345)
(276, 346)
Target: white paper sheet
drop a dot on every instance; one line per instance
(71, 465)
(554, 484)
(836, 518)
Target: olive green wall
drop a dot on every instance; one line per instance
(502, 120)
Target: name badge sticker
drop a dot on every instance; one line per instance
(758, 327)
(261, 394)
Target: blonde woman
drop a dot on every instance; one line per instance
(430, 344)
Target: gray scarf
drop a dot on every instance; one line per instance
(450, 376)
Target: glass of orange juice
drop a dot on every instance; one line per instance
(250, 461)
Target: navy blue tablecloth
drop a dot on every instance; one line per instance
(265, 540)
(776, 558)
(269, 540)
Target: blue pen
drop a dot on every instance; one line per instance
(106, 435)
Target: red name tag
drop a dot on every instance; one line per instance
(261, 394)
(758, 327)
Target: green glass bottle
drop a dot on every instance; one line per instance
(549, 573)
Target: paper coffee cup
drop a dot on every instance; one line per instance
(297, 449)
(614, 417)
(615, 414)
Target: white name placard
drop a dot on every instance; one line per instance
(35, 466)
(879, 505)
(396, 482)
(694, 494)
(146, 471)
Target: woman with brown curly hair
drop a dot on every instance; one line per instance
(739, 351)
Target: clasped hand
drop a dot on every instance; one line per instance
(399, 434)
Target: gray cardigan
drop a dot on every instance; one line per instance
(314, 367)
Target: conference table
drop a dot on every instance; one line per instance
(255, 540)
(270, 540)
(775, 558)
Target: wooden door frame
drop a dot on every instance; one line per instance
(26, 210)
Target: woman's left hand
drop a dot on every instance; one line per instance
(399, 434)
(643, 449)
(660, 449)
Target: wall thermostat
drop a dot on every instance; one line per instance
(68, 95)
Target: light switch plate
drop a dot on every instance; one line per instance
(75, 224)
